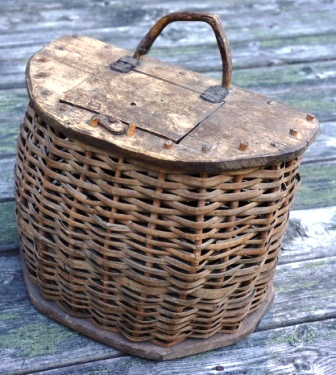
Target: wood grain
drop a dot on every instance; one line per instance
(160, 106)
(25, 337)
(281, 49)
(305, 348)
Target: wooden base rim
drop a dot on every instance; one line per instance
(144, 349)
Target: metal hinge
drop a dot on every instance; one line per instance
(125, 64)
(215, 94)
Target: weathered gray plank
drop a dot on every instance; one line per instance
(302, 349)
(29, 340)
(9, 237)
(306, 348)
(318, 187)
(262, 41)
(305, 291)
(310, 234)
(201, 56)
(268, 18)
(6, 178)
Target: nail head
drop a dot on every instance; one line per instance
(117, 128)
(206, 148)
(111, 119)
(95, 120)
(243, 146)
(310, 117)
(293, 132)
(168, 144)
(131, 130)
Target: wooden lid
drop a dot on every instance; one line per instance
(158, 113)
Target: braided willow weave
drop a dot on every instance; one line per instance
(156, 256)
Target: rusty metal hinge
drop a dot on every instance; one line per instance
(215, 94)
(125, 64)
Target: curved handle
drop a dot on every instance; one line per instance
(212, 19)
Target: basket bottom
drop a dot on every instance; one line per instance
(144, 349)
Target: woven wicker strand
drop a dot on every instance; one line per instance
(156, 256)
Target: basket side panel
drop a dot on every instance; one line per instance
(156, 256)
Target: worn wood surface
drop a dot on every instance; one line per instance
(164, 102)
(282, 49)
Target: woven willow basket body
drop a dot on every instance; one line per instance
(157, 256)
(151, 201)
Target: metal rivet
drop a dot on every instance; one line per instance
(243, 146)
(95, 120)
(270, 102)
(219, 368)
(310, 117)
(117, 128)
(206, 148)
(168, 144)
(112, 119)
(293, 132)
(133, 104)
(131, 130)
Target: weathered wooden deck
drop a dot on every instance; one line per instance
(285, 49)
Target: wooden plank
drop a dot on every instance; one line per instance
(142, 103)
(123, 26)
(310, 234)
(29, 340)
(6, 179)
(306, 348)
(9, 237)
(272, 80)
(200, 56)
(8, 135)
(267, 19)
(318, 187)
(305, 291)
(310, 84)
(307, 92)
(324, 147)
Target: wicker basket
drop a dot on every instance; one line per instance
(136, 239)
